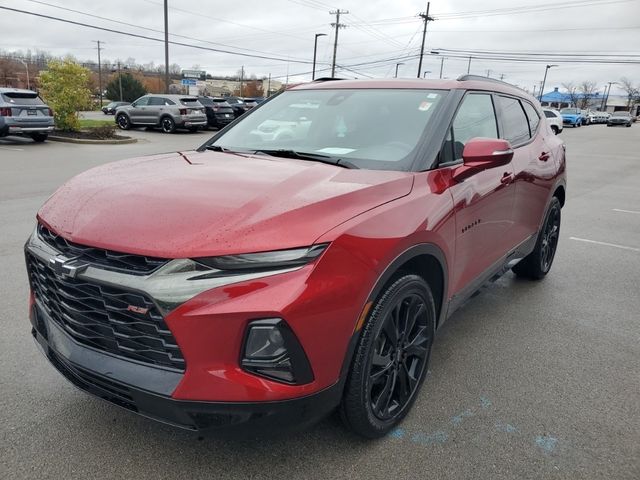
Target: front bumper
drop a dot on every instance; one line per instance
(147, 391)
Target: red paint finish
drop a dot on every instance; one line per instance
(219, 203)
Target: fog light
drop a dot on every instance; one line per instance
(272, 350)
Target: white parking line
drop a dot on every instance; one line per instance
(623, 247)
(625, 211)
(12, 149)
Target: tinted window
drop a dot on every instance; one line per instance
(21, 98)
(156, 101)
(514, 121)
(532, 115)
(475, 118)
(205, 101)
(549, 114)
(190, 101)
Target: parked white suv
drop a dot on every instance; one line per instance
(554, 118)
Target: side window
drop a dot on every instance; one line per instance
(532, 114)
(514, 121)
(549, 114)
(142, 102)
(168, 102)
(156, 101)
(475, 118)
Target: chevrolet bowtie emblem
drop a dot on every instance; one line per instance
(67, 267)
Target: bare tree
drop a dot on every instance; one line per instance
(572, 93)
(587, 90)
(633, 92)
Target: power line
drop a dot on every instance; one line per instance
(145, 37)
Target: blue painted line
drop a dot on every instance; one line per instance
(547, 443)
(438, 437)
(505, 427)
(485, 402)
(397, 433)
(457, 420)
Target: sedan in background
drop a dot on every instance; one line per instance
(112, 107)
(572, 116)
(620, 118)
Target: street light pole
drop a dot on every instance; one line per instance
(397, 65)
(27, 67)
(424, 75)
(120, 79)
(606, 100)
(544, 80)
(434, 52)
(98, 42)
(469, 65)
(315, 49)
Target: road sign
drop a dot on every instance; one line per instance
(189, 81)
(197, 74)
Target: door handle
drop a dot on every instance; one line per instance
(544, 156)
(506, 178)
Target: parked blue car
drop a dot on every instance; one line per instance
(573, 117)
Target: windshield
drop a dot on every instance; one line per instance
(622, 114)
(571, 111)
(370, 128)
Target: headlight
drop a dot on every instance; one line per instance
(265, 260)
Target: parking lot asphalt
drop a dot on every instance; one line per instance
(527, 380)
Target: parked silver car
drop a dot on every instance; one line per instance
(165, 111)
(22, 112)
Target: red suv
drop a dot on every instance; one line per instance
(268, 279)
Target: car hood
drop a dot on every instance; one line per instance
(197, 204)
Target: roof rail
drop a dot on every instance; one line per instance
(466, 77)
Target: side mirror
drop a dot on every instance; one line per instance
(483, 153)
(134, 104)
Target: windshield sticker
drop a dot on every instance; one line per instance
(432, 95)
(336, 150)
(424, 106)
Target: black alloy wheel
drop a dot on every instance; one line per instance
(538, 263)
(123, 122)
(391, 359)
(167, 125)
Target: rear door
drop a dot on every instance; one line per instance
(533, 163)
(154, 109)
(483, 202)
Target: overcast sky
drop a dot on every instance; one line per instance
(375, 30)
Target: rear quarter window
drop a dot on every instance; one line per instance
(532, 115)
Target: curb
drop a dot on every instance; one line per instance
(86, 141)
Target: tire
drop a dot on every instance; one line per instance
(167, 125)
(538, 263)
(390, 364)
(578, 124)
(123, 122)
(39, 137)
(554, 129)
(193, 129)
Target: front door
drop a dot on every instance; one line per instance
(483, 202)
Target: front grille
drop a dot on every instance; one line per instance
(107, 259)
(109, 319)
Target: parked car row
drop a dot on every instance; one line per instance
(170, 112)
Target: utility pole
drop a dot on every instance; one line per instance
(26, 66)
(241, 78)
(120, 79)
(98, 42)
(441, 66)
(337, 26)
(397, 65)
(426, 18)
(269, 87)
(488, 73)
(606, 99)
(502, 77)
(166, 47)
(469, 65)
(544, 80)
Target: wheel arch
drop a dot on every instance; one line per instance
(560, 193)
(426, 260)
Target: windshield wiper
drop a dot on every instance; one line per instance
(218, 148)
(315, 157)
